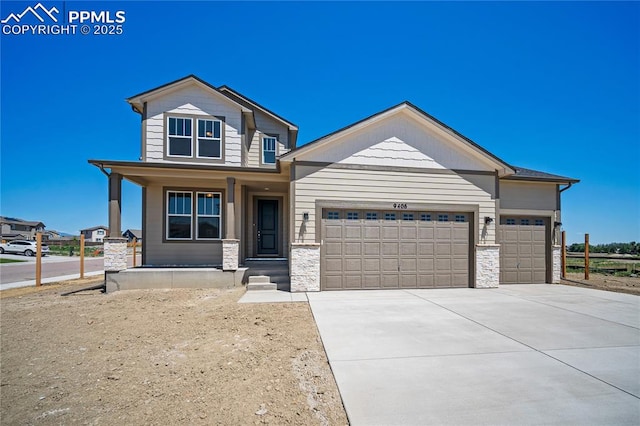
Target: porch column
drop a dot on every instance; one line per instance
(115, 246)
(115, 200)
(230, 245)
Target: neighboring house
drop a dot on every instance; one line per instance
(396, 200)
(52, 235)
(13, 228)
(95, 234)
(130, 234)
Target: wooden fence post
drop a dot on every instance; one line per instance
(564, 255)
(38, 259)
(135, 243)
(586, 256)
(81, 256)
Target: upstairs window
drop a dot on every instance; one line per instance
(269, 150)
(179, 137)
(195, 137)
(209, 139)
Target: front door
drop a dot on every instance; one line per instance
(267, 233)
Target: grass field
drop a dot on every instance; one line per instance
(606, 266)
(11, 261)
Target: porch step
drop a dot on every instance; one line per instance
(261, 282)
(275, 270)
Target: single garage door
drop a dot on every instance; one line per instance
(523, 250)
(364, 249)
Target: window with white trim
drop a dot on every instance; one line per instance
(209, 139)
(208, 215)
(179, 218)
(268, 150)
(179, 137)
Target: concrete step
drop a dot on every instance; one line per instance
(259, 279)
(262, 286)
(261, 282)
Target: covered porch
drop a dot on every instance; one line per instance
(200, 223)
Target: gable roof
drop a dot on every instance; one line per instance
(240, 98)
(16, 221)
(94, 228)
(137, 101)
(403, 106)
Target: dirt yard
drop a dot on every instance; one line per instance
(605, 282)
(161, 357)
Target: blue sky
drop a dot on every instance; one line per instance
(546, 85)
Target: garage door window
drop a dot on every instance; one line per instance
(425, 217)
(460, 218)
(539, 222)
(524, 221)
(352, 216)
(443, 218)
(333, 215)
(407, 216)
(389, 216)
(372, 216)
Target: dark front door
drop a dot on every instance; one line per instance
(267, 237)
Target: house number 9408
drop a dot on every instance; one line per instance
(400, 206)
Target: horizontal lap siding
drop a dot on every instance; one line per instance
(267, 125)
(193, 101)
(158, 252)
(387, 186)
(527, 195)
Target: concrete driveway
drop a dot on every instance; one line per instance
(520, 354)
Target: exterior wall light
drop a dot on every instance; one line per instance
(488, 220)
(305, 216)
(557, 224)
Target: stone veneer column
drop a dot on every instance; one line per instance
(556, 260)
(305, 267)
(115, 254)
(487, 265)
(230, 253)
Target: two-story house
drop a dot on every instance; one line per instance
(14, 228)
(397, 200)
(95, 234)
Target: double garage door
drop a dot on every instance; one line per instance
(364, 249)
(523, 250)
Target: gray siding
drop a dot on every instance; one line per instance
(527, 195)
(193, 101)
(158, 252)
(266, 126)
(354, 185)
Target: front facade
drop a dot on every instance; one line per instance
(14, 228)
(95, 234)
(397, 200)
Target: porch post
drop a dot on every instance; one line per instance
(115, 200)
(230, 245)
(115, 246)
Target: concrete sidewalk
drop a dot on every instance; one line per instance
(31, 283)
(520, 354)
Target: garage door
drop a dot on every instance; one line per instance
(523, 250)
(378, 250)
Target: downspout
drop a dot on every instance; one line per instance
(569, 185)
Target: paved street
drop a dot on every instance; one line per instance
(52, 266)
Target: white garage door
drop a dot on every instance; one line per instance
(364, 249)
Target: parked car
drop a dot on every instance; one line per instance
(28, 248)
